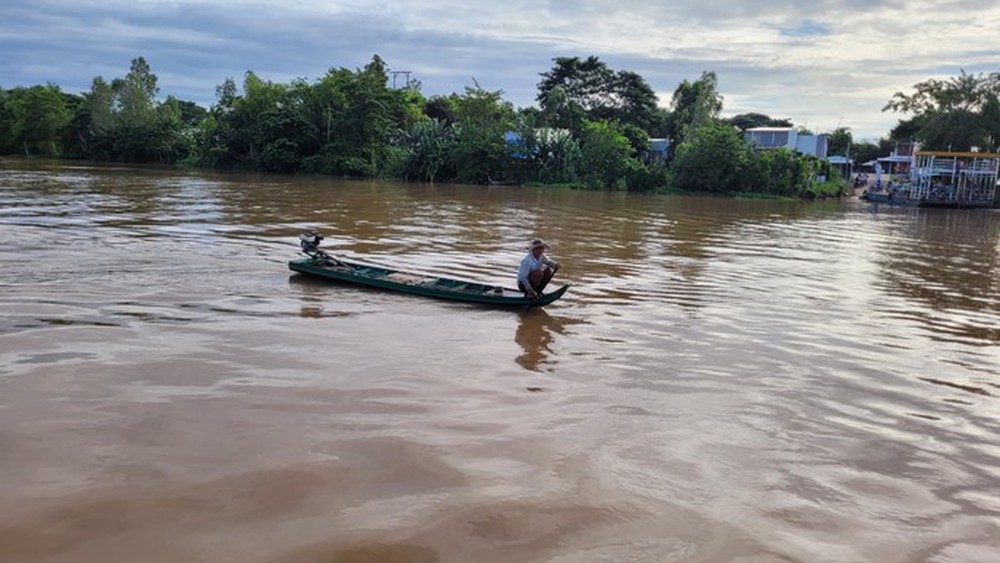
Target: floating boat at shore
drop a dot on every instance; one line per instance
(944, 179)
(320, 264)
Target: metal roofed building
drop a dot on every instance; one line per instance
(770, 138)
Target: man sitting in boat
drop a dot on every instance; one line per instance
(536, 269)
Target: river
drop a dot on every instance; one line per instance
(726, 380)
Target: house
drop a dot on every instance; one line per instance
(659, 150)
(843, 164)
(900, 160)
(770, 138)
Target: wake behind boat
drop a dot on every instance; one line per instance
(320, 264)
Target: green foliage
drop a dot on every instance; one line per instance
(650, 178)
(717, 160)
(607, 155)
(483, 118)
(545, 155)
(695, 104)
(746, 121)
(122, 121)
(430, 145)
(344, 124)
(866, 151)
(954, 114)
(576, 89)
(714, 160)
(840, 141)
(6, 124)
(36, 118)
(441, 109)
(908, 129)
(591, 129)
(779, 172)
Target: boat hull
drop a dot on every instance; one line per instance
(947, 204)
(416, 284)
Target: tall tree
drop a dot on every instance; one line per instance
(136, 93)
(839, 141)
(483, 118)
(375, 113)
(954, 114)
(714, 159)
(6, 123)
(695, 104)
(607, 155)
(39, 116)
(126, 123)
(587, 88)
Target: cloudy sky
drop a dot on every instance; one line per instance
(820, 63)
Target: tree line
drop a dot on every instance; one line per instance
(592, 128)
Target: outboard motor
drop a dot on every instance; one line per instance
(309, 241)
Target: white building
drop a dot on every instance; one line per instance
(769, 138)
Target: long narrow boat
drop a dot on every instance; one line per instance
(320, 264)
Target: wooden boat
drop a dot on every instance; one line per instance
(320, 264)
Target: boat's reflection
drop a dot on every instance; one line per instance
(535, 333)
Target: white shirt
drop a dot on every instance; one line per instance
(530, 264)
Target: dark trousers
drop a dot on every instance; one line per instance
(538, 279)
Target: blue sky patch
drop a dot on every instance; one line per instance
(807, 28)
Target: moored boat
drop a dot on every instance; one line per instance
(320, 264)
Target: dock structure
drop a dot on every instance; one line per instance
(954, 179)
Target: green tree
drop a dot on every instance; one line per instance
(777, 172)
(344, 124)
(839, 141)
(73, 141)
(260, 129)
(360, 117)
(714, 160)
(135, 95)
(39, 117)
(191, 113)
(440, 108)
(6, 124)
(695, 105)
(123, 121)
(136, 119)
(430, 145)
(543, 154)
(607, 155)
(560, 111)
(173, 138)
(370, 122)
(483, 118)
(576, 88)
(954, 114)
(867, 151)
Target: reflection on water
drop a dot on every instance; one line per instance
(534, 335)
(725, 380)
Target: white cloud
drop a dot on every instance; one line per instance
(826, 63)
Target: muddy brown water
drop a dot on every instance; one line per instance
(725, 381)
